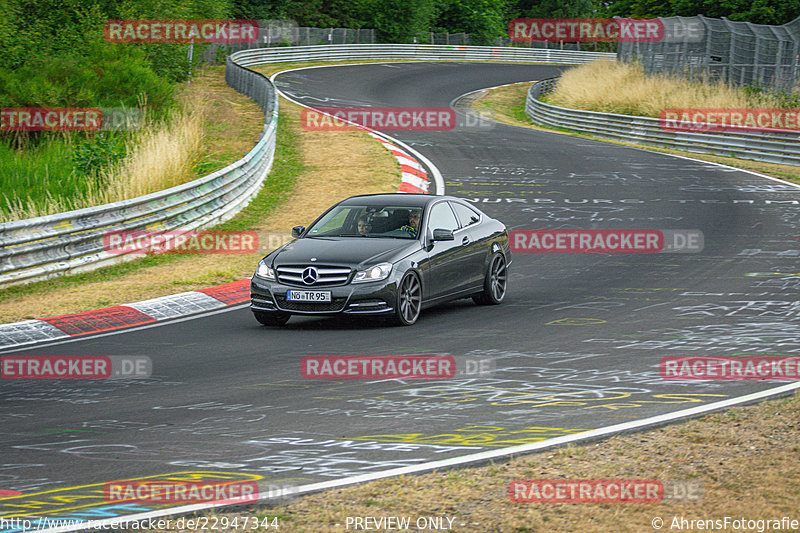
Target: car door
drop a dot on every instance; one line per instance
(475, 242)
(446, 258)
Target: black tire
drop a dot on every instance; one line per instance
(495, 284)
(272, 319)
(409, 300)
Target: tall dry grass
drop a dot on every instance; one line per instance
(160, 155)
(613, 87)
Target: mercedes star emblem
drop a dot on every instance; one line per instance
(310, 276)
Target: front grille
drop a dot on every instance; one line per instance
(336, 305)
(325, 275)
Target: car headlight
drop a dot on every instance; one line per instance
(376, 273)
(263, 271)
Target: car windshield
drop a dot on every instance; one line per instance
(389, 221)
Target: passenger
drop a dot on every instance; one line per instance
(364, 226)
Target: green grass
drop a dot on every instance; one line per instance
(60, 172)
(516, 112)
(40, 175)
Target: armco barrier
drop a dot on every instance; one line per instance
(421, 52)
(771, 147)
(43, 247)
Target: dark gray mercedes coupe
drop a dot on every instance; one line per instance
(387, 255)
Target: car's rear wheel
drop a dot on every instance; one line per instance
(272, 319)
(409, 300)
(495, 283)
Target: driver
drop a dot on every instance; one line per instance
(413, 222)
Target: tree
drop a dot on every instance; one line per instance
(398, 21)
(756, 11)
(485, 20)
(546, 9)
(259, 9)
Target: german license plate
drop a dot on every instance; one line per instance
(308, 296)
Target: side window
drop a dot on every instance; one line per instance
(466, 215)
(442, 217)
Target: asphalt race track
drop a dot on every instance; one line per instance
(576, 345)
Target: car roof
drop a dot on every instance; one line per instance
(397, 199)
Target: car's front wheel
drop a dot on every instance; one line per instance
(272, 319)
(495, 283)
(409, 300)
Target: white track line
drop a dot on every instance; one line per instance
(458, 461)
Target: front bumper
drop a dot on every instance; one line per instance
(372, 298)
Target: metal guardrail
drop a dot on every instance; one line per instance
(71, 242)
(770, 147)
(43, 247)
(422, 52)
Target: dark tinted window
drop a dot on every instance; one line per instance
(375, 221)
(442, 217)
(466, 215)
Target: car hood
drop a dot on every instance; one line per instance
(356, 252)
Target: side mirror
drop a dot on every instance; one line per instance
(443, 235)
(297, 231)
